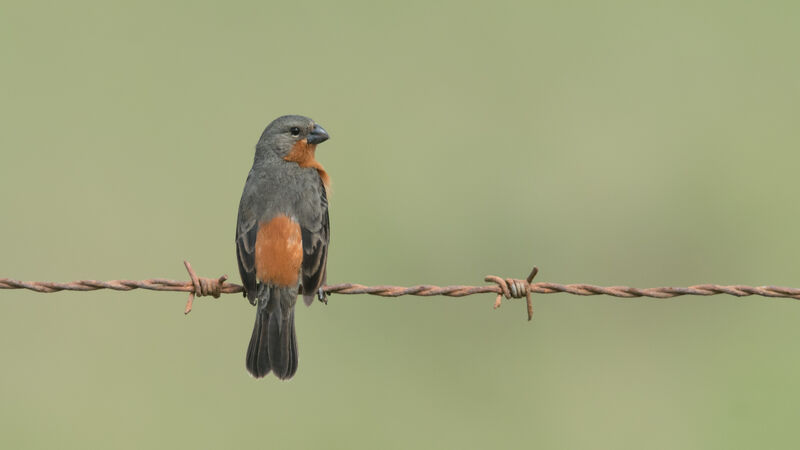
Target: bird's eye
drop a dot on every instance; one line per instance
(295, 131)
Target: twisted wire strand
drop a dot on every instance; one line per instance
(502, 287)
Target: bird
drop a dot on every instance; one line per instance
(282, 238)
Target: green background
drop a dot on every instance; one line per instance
(607, 143)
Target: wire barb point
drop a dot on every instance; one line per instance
(514, 288)
(202, 286)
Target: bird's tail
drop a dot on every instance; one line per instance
(273, 345)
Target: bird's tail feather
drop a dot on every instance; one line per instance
(273, 344)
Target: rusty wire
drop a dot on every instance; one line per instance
(502, 287)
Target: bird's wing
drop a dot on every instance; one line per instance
(316, 236)
(246, 231)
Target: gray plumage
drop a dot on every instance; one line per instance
(275, 187)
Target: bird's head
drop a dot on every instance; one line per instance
(288, 134)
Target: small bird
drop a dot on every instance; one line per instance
(282, 236)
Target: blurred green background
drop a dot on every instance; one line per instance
(613, 143)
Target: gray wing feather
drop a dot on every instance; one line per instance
(315, 251)
(246, 231)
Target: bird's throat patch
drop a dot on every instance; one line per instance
(279, 251)
(303, 154)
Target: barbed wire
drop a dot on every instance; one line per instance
(502, 287)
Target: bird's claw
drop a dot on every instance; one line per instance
(322, 296)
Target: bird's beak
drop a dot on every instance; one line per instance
(318, 135)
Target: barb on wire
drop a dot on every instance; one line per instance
(502, 287)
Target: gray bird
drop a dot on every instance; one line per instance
(282, 237)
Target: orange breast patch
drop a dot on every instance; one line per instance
(303, 154)
(279, 251)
